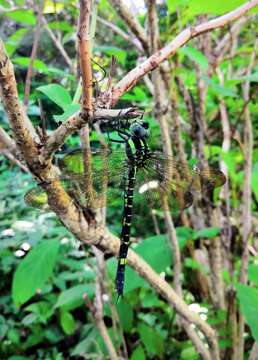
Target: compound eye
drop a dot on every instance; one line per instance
(145, 124)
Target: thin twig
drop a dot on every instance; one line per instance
(12, 159)
(33, 54)
(124, 35)
(7, 142)
(96, 308)
(58, 45)
(153, 61)
(132, 22)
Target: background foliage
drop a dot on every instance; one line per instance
(44, 270)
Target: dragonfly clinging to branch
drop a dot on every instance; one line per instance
(135, 168)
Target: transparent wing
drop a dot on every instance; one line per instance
(190, 177)
(160, 193)
(160, 178)
(165, 180)
(106, 176)
(37, 198)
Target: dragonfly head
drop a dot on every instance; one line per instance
(140, 129)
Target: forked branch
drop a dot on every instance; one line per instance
(156, 59)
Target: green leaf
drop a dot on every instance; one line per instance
(189, 353)
(215, 7)
(22, 16)
(14, 40)
(151, 339)
(183, 235)
(218, 89)
(68, 323)
(192, 264)
(252, 78)
(253, 273)
(207, 233)
(195, 55)
(248, 298)
(37, 64)
(173, 5)
(125, 313)
(74, 294)
(161, 257)
(14, 336)
(119, 54)
(83, 346)
(57, 93)
(138, 354)
(34, 270)
(254, 181)
(68, 111)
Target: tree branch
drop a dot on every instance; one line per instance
(77, 121)
(153, 61)
(85, 56)
(131, 21)
(19, 123)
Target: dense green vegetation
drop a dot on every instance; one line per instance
(45, 271)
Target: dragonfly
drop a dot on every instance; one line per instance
(166, 182)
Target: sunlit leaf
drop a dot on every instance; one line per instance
(22, 16)
(215, 7)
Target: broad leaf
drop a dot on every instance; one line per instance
(119, 54)
(68, 111)
(253, 273)
(34, 270)
(248, 298)
(125, 313)
(138, 354)
(14, 40)
(57, 93)
(74, 294)
(151, 339)
(22, 16)
(215, 7)
(67, 322)
(37, 64)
